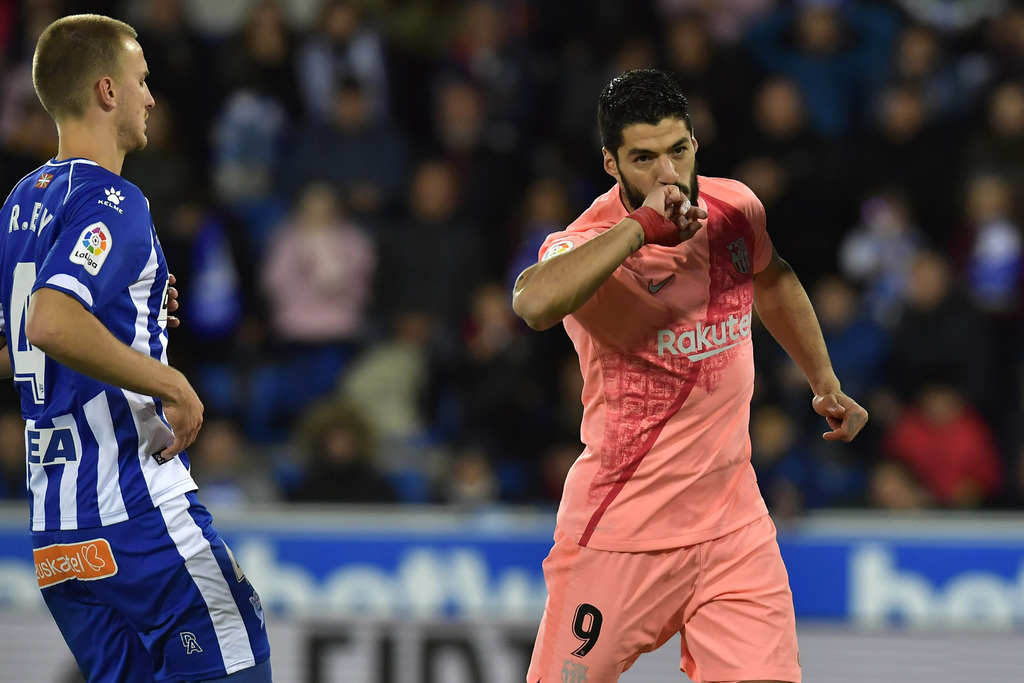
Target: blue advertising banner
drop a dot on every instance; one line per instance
(871, 570)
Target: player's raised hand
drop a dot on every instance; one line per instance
(663, 199)
(844, 416)
(667, 217)
(687, 217)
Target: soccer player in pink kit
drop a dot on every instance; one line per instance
(662, 528)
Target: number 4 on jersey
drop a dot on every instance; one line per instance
(29, 362)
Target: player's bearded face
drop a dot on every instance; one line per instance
(635, 198)
(133, 109)
(131, 131)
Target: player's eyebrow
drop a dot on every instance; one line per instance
(637, 151)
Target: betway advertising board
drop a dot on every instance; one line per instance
(870, 570)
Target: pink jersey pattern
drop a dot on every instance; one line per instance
(667, 361)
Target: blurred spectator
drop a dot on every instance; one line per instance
(339, 459)
(794, 471)
(470, 480)
(727, 20)
(162, 167)
(948, 447)
(893, 487)
(556, 461)
(1005, 39)
(207, 251)
(921, 60)
(415, 36)
(357, 151)
(317, 283)
(712, 72)
(318, 277)
(31, 142)
(260, 103)
(951, 15)
(998, 144)
(30, 18)
(13, 482)
(180, 63)
(226, 468)
(503, 406)
(905, 150)
(1013, 495)
(432, 259)
(793, 172)
(877, 252)
(260, 57)
(343, 45)
(939, 333)
(831, 49)
(856, 343)
(781, 461)
(545, 209)
(489, 172)
(990, 246)
(393, 383)
(486, 51)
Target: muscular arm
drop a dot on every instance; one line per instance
(59, 325)
(783, 306)
(548, 291)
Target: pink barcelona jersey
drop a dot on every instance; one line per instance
(667, 361)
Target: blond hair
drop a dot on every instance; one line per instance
(72, 54)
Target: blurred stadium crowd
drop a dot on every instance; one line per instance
(346, 200)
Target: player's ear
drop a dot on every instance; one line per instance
(106, 93)
(611, 166)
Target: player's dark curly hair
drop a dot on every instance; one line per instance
(638, 96)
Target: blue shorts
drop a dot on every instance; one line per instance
(155, 598)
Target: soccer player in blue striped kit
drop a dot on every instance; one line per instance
(139, 582)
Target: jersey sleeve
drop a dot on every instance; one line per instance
(105, 238)
(567, 240)
(753, 210)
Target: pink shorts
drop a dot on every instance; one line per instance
(729, 598)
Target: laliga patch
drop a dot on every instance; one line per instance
(559, 247)
(92, 247)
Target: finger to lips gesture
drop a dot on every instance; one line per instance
(687, 217)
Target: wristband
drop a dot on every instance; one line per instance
(657, 228)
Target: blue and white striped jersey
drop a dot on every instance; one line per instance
(78, 228)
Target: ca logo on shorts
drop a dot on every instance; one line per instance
(188, 640)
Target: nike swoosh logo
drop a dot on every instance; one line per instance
(712, 352)
(655, 288)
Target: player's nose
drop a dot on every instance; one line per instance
(667, 174)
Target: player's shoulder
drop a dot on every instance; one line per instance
(97, 190)
(603, 213)
(730, 191)
(87, 177)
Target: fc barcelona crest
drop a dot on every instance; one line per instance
(740, 255)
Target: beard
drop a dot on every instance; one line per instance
(130, 137)
(635, 199)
